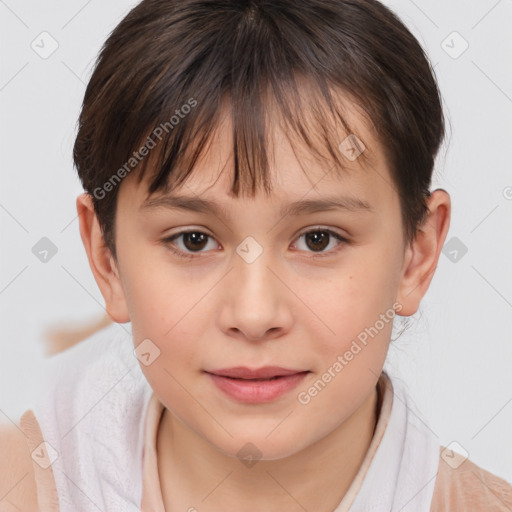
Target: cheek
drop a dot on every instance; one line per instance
(168, 321)
(355, 294)
(351, 314)
(157, 294)
(351, 342)
(164, 309)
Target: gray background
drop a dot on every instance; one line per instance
(457, 354)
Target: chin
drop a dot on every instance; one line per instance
(259, 447)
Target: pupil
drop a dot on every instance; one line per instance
(320, 239)
(195, 238)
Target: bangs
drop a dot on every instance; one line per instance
(311, 116)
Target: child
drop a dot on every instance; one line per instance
(294, 142)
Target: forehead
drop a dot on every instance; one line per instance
(294, 170)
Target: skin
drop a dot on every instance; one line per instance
(286, 308)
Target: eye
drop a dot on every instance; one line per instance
(319, 239)
(193, 241)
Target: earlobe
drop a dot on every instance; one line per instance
(101, 260)
(422, 255)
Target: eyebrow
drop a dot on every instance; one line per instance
(300, 207)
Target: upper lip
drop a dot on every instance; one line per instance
(266, 372)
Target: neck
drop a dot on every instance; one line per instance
(193, 473)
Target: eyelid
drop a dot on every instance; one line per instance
(319, 227)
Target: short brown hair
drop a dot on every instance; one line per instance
(166, 55)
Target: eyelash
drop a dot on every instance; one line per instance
(189, 256)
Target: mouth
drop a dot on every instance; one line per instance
(256, 386)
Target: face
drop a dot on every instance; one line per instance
(313, 291)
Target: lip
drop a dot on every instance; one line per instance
(272, 382)
(266, 372)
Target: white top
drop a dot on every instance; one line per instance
(93, 417)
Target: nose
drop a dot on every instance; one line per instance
(255, 302)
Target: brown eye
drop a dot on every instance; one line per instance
(190, 242)
(195, 240)
(318, 241)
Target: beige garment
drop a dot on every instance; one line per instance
(469, 488)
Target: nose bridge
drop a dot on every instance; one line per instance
(255, 304)
(253, 279)
(251, 269)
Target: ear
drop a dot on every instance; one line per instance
(422, 255)
(102, 263)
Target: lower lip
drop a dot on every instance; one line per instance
(257, 391)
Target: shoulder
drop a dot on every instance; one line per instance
(110, 347)
(18, 492)
(460, 482)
